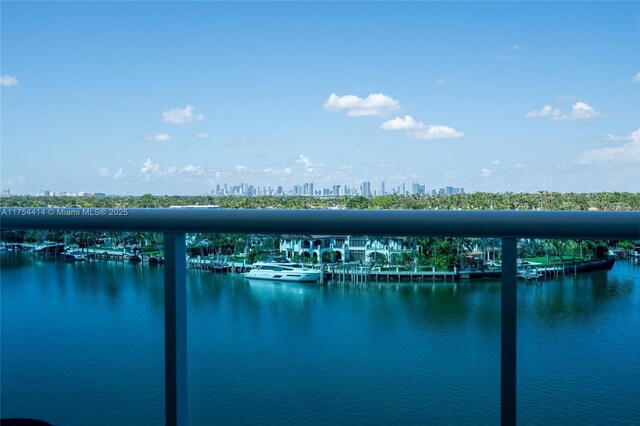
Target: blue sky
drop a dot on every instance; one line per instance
(174, 98)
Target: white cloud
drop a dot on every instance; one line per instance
(103, 172)
(629, 153)
(495, 162)
(202, 135)
(374, 104)
(181, 116)
(613, 138)
(436, 132)
(636, 78)
(119, 174)
(486, 173)
(520, 166)
(159, 137)
(304, 160)
(241, 169)
(287, 171)
(150, 168)
(400, 123)
(419, 130)
(8, 81)
(546, 111)
(192, 170)
(152, 171)
(580, 111)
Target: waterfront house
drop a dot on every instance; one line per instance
(341, 248)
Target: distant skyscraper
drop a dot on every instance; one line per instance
(308, 189)
(382, 189)
(417, 188)
(366, 189)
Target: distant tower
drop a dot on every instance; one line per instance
(366, 189)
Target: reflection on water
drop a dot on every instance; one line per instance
(305, 353)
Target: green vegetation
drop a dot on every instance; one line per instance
(475, 201)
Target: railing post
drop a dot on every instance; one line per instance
(508, 328)
(175, 329)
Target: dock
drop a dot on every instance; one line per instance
(357, 274)
(208, 264)
(341, 274)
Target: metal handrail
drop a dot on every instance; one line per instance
(507, 225)
(497, 224)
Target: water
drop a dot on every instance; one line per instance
(83, 344)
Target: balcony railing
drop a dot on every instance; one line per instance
(507, 225)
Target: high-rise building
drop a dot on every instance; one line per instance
(366, 189)
(308, 189)
(382, 189)
(417, 188)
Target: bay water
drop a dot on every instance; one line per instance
(82, 344)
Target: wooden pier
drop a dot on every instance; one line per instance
(208, 264)
(362, 274)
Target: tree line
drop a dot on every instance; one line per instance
(542, 200)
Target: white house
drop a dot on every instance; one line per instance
(338, 248)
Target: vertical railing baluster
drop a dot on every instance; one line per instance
(508, 330)
(175, 329)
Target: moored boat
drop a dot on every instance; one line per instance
(131, 257)
(280, 269)
(73, 256)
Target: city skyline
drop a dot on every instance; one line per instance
(365, 189)
(176, 98)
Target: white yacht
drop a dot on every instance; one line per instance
(73, 255)
(282, 270)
